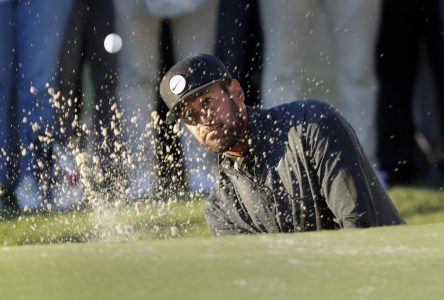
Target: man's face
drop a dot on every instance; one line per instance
(216, 118)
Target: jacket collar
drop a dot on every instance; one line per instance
(267, 142)
(260, 128)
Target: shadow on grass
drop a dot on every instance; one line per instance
(420, 200)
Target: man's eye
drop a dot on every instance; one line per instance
(206, 102)
(187, 115)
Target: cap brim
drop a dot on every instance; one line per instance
(172, 115)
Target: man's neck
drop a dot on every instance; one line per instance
(242, 147)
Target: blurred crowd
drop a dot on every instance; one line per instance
(386, 58)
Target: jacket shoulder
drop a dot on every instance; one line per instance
(302, 110)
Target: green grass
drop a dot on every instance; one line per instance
(420, 204)
(403, 262)
(165, 220)
(141, 221)
(163, 250)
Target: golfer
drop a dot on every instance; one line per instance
(294, 167)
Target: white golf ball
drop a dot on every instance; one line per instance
(113, 43)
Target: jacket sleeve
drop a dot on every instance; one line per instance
(342, 171)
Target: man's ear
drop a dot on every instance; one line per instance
(237, 92)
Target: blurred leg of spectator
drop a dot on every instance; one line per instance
(426, 115)
(139, 74)
(90, 22)
(6, 101)
(195, 33)
(104, 72)
(39, 34)
(397, 63)
(434, 38)
(428, 98)
(353, 26)
(138, 64)
(286, 26)
(239, 44)
(405, 24)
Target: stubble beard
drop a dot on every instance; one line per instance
(229, 135)
(224, 143)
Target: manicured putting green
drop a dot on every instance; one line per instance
(404, 262)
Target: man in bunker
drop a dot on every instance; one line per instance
(294, 167)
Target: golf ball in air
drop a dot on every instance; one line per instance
(113, 43)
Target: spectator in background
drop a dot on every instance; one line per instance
(193, 29)
(7, 92)
(441, 4)
(89, 23)
(239, 44)
(405, 26)
(38, 37)
(352, 26)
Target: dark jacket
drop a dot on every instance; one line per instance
(305, 171)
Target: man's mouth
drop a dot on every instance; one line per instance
(208, 130)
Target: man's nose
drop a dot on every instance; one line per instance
(205, 116)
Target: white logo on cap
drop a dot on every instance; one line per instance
(177, 84)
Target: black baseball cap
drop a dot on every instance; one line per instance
(187, 79)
